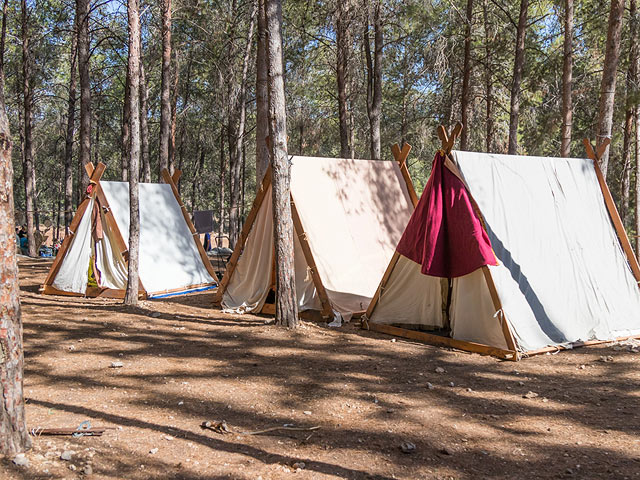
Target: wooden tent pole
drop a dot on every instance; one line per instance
(94, 179)
(401, 157)
(448, 141)
(611, 206)
(168, 179)
(244, 235)
(327, 311)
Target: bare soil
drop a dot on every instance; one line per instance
(185, 362)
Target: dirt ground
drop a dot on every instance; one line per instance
(185, 362)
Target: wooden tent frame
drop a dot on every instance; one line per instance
(511, 353)
(95, 175)
(399, 154)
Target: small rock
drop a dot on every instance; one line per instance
(469, 390)
(117, 365)
(21, 460)
(72, 348)
(393, 340)
(67, 455)
(568, 471)
(87, 470)
(299, 465)
(582, 367)
(307, 412)
(530, 394)
(153, 451)
(155, 315)
(430, 386)
(72, 467)
(180, 402)
(606, 358)
(440, 370)
(451, 384)
(168, 437)
(521, 384)
(446, 451)
(408, 447)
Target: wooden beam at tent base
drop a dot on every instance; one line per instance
(92, 292)
(440, 341)
(571, 346)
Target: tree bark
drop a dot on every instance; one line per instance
(71, 125)
(144, 125)
(342, 67)
(608, 84)
(518, 67)
(236, 158)
(27, 97)
(567, 80)
(13, 427)
(286, 302)
(374, 81)
(222, 182)
(165, 101)
(174, 115)
(84, 154)
(488, 48)
(466, 78)
(262, 96)
(631, 100)
(133, 10)
(126, 129)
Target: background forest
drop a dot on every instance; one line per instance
(353, 68)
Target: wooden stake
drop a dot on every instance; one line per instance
(168, 179)
(327, 310)
(401, 158)
(611, 206)
(244, 235)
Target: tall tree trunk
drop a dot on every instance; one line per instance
(84, 154)
(567, 80)
(71, 124)
(174, 115)
(126, 128)
(608, 84)
(236, 157)
(222, 182)
(636, 148)
(342, 67)
(133, 9)
(14, 437)
(374, 81)
(488, 49)
(27, 97)
(286, 302)
(144, 126)
(165, 101)
(631, 101)
(466, 78)
(518, 67)
(262, 96)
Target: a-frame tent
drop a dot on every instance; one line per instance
(511, 256)
(92, 260)
(348, 216)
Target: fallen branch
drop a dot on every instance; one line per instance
(223, 428)
(91, 432)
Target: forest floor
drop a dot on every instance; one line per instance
(185, 362)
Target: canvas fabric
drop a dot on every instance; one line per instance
(352, 212)
(445, 235)
(169, 258)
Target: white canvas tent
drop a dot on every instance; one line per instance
(566, 274)
(93, 258)
(348, 216)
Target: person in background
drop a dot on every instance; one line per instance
(207, 242)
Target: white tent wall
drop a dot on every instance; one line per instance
(563, 276)
(74, 269)
(473, 315)
(409, 298)
(353, 213)
(109, 260)
(169, 258)
(251, 280)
